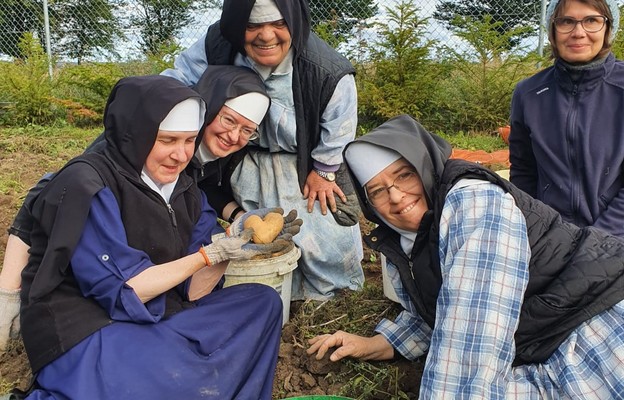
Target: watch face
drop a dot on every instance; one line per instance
(331, 176)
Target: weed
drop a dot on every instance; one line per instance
(367, 380)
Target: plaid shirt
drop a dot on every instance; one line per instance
(484, 257)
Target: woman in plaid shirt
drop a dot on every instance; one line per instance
(503, 298)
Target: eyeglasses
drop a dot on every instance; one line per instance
(228, 122)
(591, 23)
(405, 182)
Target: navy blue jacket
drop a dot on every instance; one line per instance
(567, 143)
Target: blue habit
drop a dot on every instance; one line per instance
(224, 346)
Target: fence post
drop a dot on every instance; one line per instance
(542, 29)
(46, 23)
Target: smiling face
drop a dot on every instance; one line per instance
(171, 153)
(267, 43)
(579, 46)
(404, 210)
(222, 141)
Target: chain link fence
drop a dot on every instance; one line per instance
(109, 30)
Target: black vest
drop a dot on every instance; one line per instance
(55, 315)
(316, 72)
(575, 273)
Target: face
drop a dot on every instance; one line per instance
(579, 46)
(221, 140)
(170, 155)
(404, 210)
(268, 43)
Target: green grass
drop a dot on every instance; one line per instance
(50, 141)
(26, 153)
(470, 141)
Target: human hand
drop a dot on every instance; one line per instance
(350, 345)
(318, 188)
(9, 316)
(240, 248)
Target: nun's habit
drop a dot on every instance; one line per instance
(97, 224)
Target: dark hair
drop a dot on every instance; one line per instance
(602, 8)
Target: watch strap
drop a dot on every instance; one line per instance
(324, 174)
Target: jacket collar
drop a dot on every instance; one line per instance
(588, 78)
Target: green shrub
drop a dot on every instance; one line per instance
(618, 43)
(26, 85)
(483, 79)
(399, 74)
(156, 61)
(89, 84)
(82, 91)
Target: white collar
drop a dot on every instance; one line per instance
(204, 155)
(164, 190)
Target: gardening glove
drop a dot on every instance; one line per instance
(239, 248)
(9, 316)
(292, 224)
(237, 225)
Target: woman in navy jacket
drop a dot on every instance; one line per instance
(566, 145)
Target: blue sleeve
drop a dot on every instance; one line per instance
(338, 123)
(206, 226)
(189, 65)
(484, 258)
(408, 333)
(611, 219)
(103, 262)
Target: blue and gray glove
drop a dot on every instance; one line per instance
(292, 224)
(239, 247)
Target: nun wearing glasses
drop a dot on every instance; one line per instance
(501, 297)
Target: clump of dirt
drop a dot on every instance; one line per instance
(14, 368)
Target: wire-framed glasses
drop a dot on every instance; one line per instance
(591, 23)
(380, 195)
(228, 122)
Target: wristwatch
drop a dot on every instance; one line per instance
(328, 176)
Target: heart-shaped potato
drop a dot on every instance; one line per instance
(265, 231)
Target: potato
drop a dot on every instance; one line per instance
(265, 231)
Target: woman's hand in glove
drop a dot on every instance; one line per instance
(237, 226)
(238, 247)
(292, 224)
